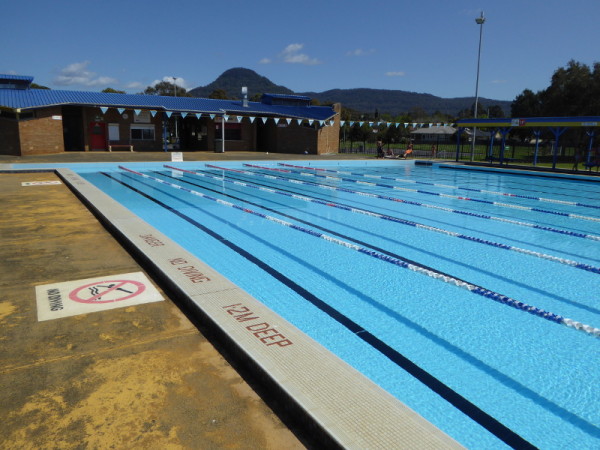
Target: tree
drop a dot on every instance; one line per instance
(568, 92)
(495, 112)
(37, 86)
(218, 94)
(110, 90)
(167, 89)
(526, 104)
(574, 91)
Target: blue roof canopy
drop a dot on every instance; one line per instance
(12, 97)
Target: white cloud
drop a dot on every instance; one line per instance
(78, 74)
(265, 61)
(134, 85)
(178, 81)
(291, 54)
(395, 74)
(360, 52)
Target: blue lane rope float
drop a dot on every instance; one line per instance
(588, 329)
(485, 191)
(568, 262)
(437, 194)
(454, 398)
(498, 219)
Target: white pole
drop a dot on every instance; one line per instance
(480, 21)
(223, 134)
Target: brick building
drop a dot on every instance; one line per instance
(41, 121)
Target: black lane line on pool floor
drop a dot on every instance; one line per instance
(312, 195)
(470, 359)
(488, 422)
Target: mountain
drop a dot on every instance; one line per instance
(398, 102)
(232, 80)
(361, 99)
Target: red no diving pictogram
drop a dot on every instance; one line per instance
(107, 291)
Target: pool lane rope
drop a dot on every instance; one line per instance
(479, 216)
(568, 262)
(437, 194)
(588, 329)
(485, 191)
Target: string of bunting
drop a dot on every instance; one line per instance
(288, 120)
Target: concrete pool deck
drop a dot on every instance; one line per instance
(145, 376)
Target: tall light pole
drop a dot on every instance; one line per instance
(480, 21)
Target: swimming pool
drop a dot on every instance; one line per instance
(421, 295)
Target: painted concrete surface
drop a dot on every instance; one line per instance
(142, 376)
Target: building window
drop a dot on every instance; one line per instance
(233, 131)
(142, 132)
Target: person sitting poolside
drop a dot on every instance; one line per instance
(390, 154)
(408, 151)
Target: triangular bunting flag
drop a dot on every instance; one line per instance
(137, 111)
(198, 115)
(370, 124)
(310, 122)
(120, 110)
(360, 124)
(351, 124)
(405, 125)
(168, 113)
(252, 119)
(212, 116)
(288, 120)
(239, 118)
(264, 119)
(414, 125)
(430, 125)
(276, 119)
(225, 117)
(299, 121)
(104, 109)
(342, 123)
(322, 123)
(183, 114)
(153, 112)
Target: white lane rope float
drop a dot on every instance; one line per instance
(485, 191)
(588, 329)
(568, 262)
(485, 216)
(437, 194)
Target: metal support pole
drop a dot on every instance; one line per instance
(458, 133)
(223, 134)
(557, 133)
(491, 152)
(591, 134)
(165, 132)
(480, 21)
(537, 134)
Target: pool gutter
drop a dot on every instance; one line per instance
(335, 401)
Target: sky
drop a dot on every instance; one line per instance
(425, 46)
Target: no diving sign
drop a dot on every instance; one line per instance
(94, 294)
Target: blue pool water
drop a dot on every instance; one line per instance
(342, 260)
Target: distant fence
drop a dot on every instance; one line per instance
(513, 151)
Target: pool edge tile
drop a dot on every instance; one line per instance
(335, 397)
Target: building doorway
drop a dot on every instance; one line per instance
(73, 128)
(97, 136)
